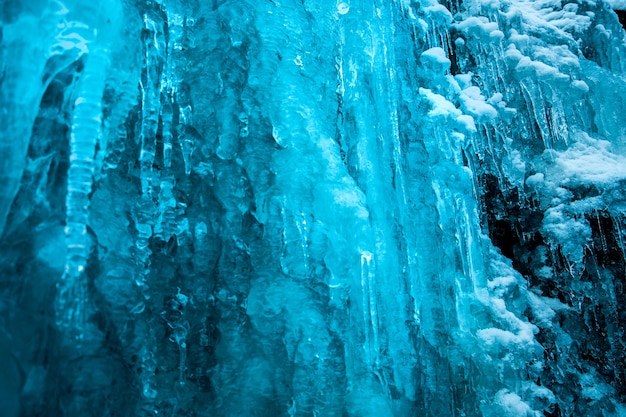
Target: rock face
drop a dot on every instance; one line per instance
(312, 208)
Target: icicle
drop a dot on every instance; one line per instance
(188, 137)
(86, 131)
(110, 154)
(536, 102)
(166, 224)
(169, 83)
(605, 246)
(619, 234)
(150, 109)
(370, 309)
(114, 153)
(145, 211)
(150, 104)
(201, 245)
(557, 120)
(294, 258)
(174, 316)
(167, 117)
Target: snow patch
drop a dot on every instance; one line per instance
(440, 105)
(591, 161)
(474, 103)
(513, 404)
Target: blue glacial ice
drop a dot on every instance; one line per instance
(350, 208)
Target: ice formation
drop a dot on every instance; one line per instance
(312, 208)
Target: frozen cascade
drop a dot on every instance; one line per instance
(313, 208)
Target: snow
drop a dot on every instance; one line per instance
(464, 80)
(473, 103)
(535, 180)
(569, 230)
(439, 14)
(527, 67)
(513, 404)
(591, 161)
(467, 122)
(617, 4)
(480, 27)
(543, 308)
(436, 55)
(440, 106)
(502, 282)
(493, 336)
(580, 85)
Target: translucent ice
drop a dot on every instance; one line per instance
(312, 208)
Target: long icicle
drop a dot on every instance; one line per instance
(85, 134)
(145, 212)
(169, 225)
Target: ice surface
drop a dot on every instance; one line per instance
(312, 208)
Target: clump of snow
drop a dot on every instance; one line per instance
(527, 67)
(440, 105)
(496, 35)
(513, 404)
(617, 4)
(435, 59)
(488, 5)
(557, 55)
(493, 336)
(499, 286)
(453, 84)
(464, 80)
(481, 28)
(572, 232)
(502, 282)
(495, 99)
(474, 103)
(437, 54)
(439, 14)
(467, 123)
(535, 180)
(518, 165)
(541, 310)
(515, 334)
(591, 161)
(512, 55)
(537, 397)
(580, 85)
(423, 25)
(548, 20)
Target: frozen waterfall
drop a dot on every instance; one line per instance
(312, 208)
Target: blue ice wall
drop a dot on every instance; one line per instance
(312, 208)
